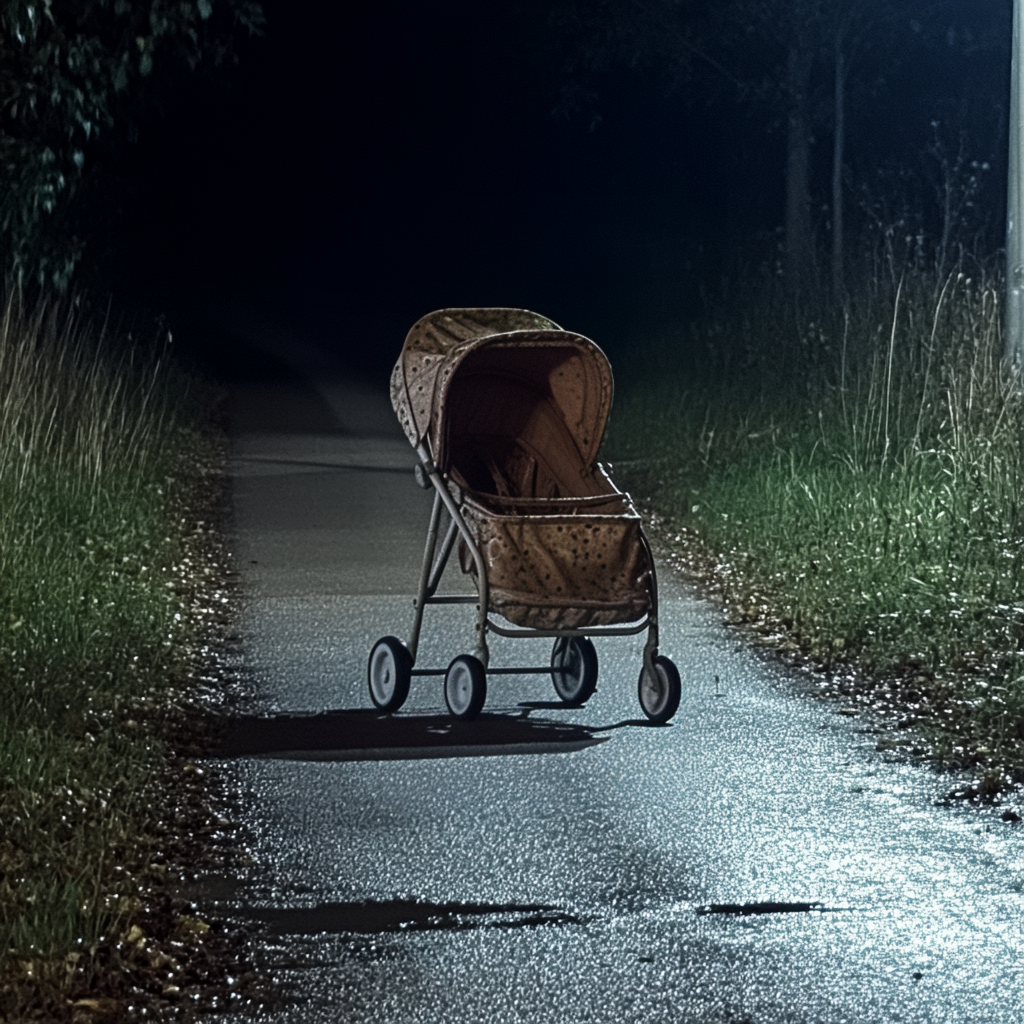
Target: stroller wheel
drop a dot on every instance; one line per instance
(659, 697)
(465, 686)
(388, 673)
(574, 669)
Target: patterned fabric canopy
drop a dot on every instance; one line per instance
(456, 364)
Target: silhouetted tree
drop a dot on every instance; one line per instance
(76, 79)
(764, 51)
(822, 41)
(796, 60)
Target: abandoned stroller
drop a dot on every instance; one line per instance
(506, 412)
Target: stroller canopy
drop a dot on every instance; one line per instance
(500, 371)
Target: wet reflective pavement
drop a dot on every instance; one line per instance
(754, 861)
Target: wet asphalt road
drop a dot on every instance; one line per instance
(551, 865)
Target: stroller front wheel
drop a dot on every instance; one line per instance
(389, 672)
(660, 694)
(574, 669)
(465, 686)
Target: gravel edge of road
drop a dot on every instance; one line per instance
(167, 962)
(879, 701)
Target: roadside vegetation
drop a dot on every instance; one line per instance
(848, 478)
(112, 575)
(109, 591)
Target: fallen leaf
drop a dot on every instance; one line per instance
(192, 925)
(103, 1005)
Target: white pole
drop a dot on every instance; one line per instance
(1014, 351)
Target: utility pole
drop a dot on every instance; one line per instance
(1014, 351)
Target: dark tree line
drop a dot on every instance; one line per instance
(804, 65)
(78, 78)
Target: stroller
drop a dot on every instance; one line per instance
(506, 412)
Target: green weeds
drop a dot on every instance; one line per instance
(852, 479)
(99, 444)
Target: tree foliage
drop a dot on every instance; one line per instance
(77, 78)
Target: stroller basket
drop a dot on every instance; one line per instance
(506, 412)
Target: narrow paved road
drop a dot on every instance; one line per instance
(548, 865)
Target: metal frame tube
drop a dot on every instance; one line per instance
(442, 559)
(425, 575)
(543, 670)
(441, 488)
(651, 647)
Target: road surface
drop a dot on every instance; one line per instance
(550, 865)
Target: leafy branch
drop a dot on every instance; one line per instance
(77, 78)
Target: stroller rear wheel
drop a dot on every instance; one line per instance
(465, 686)
(660, 694)
(388, 673)
(574, 669)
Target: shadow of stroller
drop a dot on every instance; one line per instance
(369, 735)
(596, 730)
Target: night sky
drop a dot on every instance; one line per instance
(371, 162)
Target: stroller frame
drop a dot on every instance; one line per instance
(435, 562)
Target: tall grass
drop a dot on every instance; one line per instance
(853, 478)
(96, 434)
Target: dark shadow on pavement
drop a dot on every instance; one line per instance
(632, 723)
(368, 735)
(542, 705)
(628, 723)
(372, 917)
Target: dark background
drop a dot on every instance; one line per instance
(369, 163)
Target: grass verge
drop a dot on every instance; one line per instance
(111, 588)
(849, 480)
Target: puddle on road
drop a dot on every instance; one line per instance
(744, 909)
(372, 917)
